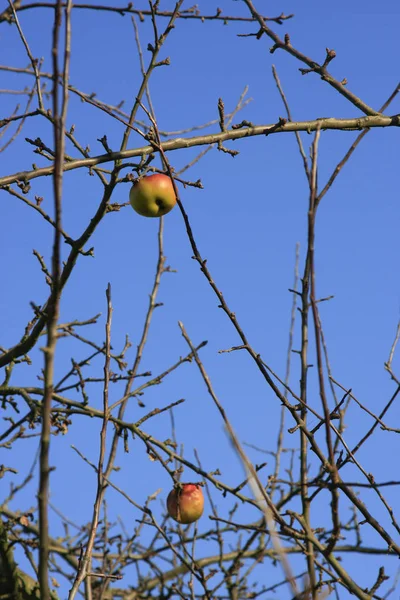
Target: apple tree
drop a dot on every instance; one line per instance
(230, 344)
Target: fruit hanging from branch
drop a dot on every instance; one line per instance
(185, 503)
(153, 196)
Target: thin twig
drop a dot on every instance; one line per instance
(279, 445)
(101, 484)
(34, 61)
(298, 138)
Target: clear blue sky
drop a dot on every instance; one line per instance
(247, 221)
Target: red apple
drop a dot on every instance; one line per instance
(185, 503)
(153, 196)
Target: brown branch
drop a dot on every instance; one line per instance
(204, 140)
(317, 328)
(352, 148)
(189, 14)
(313, 66)
(53, 305)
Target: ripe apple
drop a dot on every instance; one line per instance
(153, 196)
(185, 503)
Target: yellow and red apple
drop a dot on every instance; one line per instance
(153, 196)
(185, 503)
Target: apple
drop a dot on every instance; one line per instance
(153, 196)
(185, 503)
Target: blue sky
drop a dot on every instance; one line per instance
(247, 221)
